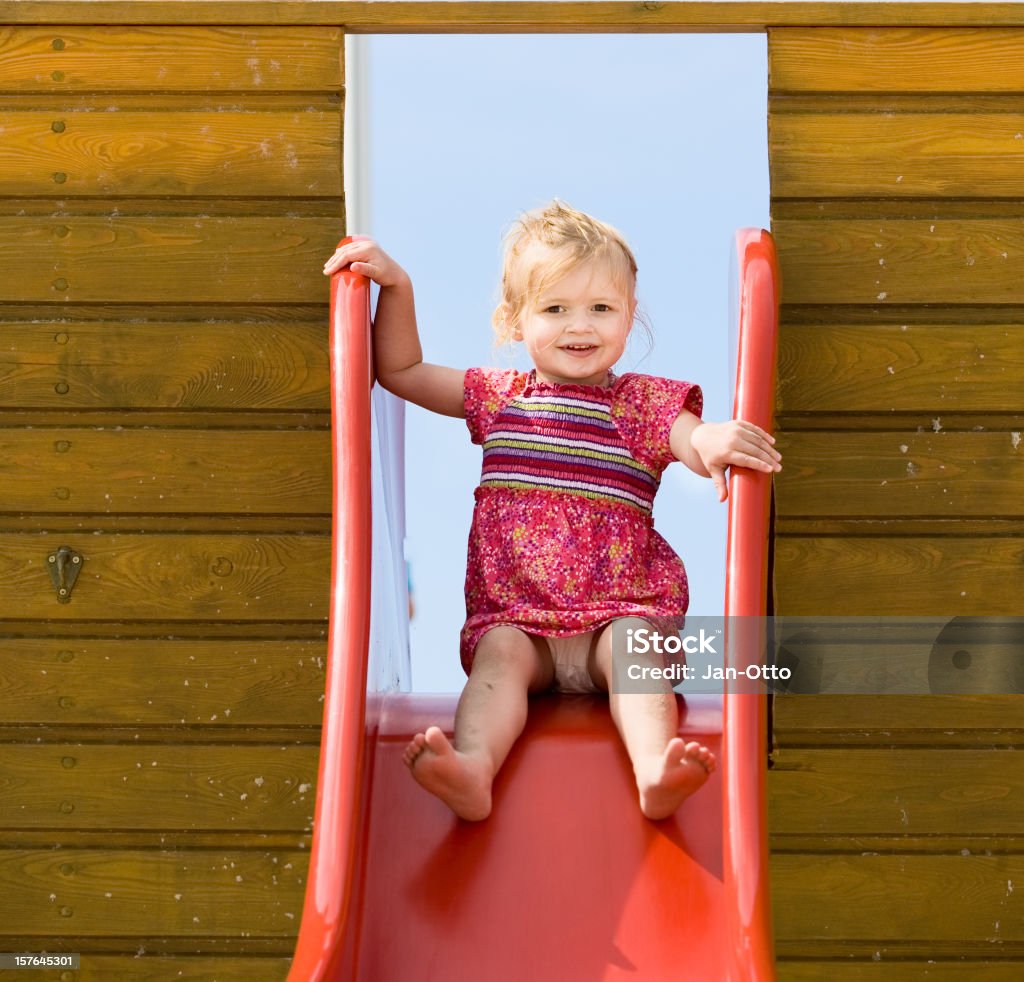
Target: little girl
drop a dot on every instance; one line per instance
(562, 544)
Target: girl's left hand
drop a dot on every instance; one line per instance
(735, 443)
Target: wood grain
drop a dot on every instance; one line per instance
(96, 893)
(898, 898)
(138, 259)
(893, 261)
(126, 471)
(133, 967)
(972, 58)
(179, 151)
(898, 970)
(170, 577)
(836, 153)
(825, 720)
(867, 576)
(852, 791)
(514, 16)
(875, 475)
(156, 787)
(178, 57)
(936, 368)
(231, 683)
(164, 365)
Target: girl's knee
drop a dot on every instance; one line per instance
(507, 651)
(611, 644)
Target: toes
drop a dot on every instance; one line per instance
(414, 749)
(435, 739)
(676, 749)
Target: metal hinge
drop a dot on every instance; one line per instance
(64, 566)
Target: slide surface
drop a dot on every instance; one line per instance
(566, 880)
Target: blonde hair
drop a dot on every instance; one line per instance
(574, 237)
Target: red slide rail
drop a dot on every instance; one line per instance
(332, 868)
(745, 723)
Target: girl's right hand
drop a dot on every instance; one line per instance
(367, 258)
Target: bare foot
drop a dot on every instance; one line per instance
(666, 780)
(462, 782)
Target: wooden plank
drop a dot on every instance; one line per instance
(932, 209)
(937, 368)
(903, 970)
(853, 791)
(868, 576)
(885, 657)
(893, 474)
(900, 898)
(161, 260)
(959, 844)
(973, 58)
(158, 787)
(169, 577)
(891, 261)
(180, 151)
(828, 719)
(133, 967)
(198, 523)
(111, 892)
(900, 527)
(164, 365)
(150, 208)
(231, 683)
(838, 153)
(170, 57)
(129, 471)
(513, 16)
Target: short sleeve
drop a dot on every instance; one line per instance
(644, 409)
(485, 392)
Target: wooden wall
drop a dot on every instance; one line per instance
(897, 171)
(167, 198)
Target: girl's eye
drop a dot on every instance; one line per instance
(554, 309)
(602, 307)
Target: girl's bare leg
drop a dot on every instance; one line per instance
(508, 665)
(667, 769)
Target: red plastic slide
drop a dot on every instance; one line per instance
(566, 881)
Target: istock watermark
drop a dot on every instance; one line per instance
(812, 655)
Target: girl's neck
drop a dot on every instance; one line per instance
(602, 382)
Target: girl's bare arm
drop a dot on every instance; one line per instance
(398, 357)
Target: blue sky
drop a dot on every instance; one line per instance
(663, 136)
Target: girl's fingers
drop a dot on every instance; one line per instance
(347, 254)
(759, 460)
(763, 447)
(754, 428)
(718, 479)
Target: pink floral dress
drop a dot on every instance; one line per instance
(562, 540)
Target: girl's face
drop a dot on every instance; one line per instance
(577, 329)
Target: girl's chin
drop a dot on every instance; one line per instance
(574, 378)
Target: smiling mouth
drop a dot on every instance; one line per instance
(579, 347)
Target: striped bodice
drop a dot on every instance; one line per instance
(565, 442)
